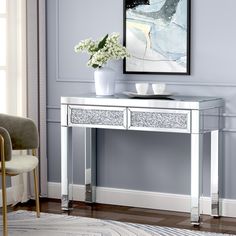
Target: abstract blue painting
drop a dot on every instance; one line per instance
(157, 35)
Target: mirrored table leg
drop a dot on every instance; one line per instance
(196, 165)
(215, 145)
(66, 152)
(90, 165)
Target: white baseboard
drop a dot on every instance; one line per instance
(144, 199)
(9, 196)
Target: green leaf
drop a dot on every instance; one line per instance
(102, 43)
(95, 66)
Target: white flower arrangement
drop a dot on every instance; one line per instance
(108, 48)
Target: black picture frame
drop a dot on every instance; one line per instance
(178, 60)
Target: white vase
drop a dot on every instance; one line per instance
(104, 78)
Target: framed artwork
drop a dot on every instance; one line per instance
(157, 35)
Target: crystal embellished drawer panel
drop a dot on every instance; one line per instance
(159, 120)
(97, 117)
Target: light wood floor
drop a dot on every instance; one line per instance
(135, 215)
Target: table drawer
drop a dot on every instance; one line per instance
(159, 120)
(97, 117)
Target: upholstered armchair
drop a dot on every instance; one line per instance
(17, 133)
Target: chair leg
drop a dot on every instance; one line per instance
(4, 198)
(4, 204)
(36, 191)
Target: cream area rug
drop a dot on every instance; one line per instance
(24, 223)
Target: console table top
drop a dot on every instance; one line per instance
(121, 100)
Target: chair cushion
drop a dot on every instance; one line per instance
(21, 164)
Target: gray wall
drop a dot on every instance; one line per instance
(139, 160)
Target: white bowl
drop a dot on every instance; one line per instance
(158, 88)
(141, 88)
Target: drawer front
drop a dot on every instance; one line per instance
(159, 120)
(97, 117)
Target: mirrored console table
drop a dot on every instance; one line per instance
(181, 114)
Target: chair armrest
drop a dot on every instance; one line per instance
(23, 132)
(7, 144)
